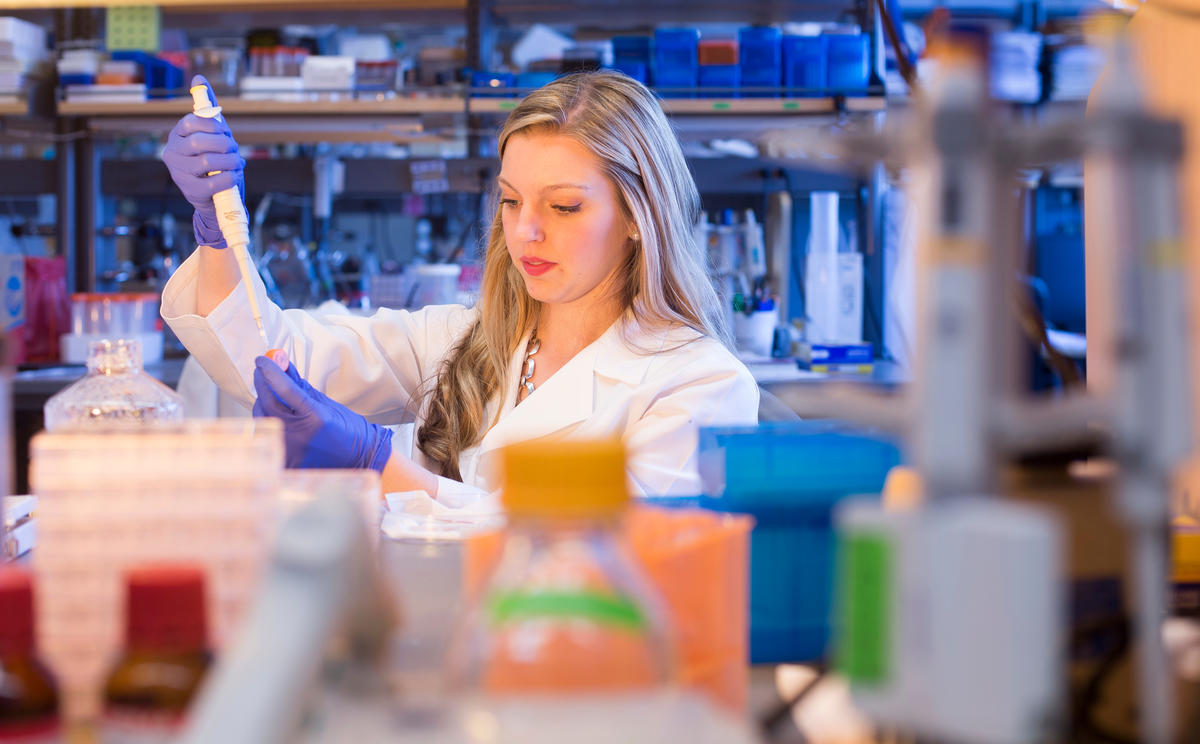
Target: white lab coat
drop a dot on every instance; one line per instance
(382, 367)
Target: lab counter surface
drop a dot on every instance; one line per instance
(32, 388)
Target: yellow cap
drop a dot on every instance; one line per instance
(565, 479)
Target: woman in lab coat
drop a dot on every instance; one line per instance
(596, 316)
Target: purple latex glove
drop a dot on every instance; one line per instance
(195, 148)
(317, 432)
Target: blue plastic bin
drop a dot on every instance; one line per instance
(676, 61)
(162, 78)
(634, 54)
(636, 70)
(849, 64)
(805, 66)
(725, 77)
(760, 59)
(789, 477)
(528, 81)
(493, 84)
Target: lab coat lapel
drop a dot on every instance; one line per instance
(574, 392)
(564, 399)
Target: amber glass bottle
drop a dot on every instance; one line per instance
(165, 658)
(28, 694)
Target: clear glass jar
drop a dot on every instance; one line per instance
(567, 612)
(115, 392)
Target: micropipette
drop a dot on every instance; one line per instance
(231, 213)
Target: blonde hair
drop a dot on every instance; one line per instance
(666, 282)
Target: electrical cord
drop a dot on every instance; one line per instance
(1083, 724)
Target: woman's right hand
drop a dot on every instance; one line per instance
(195, 148)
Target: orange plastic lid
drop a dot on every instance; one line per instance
(114, 297)
(564, 478)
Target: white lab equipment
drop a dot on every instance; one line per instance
(436, 284)
(320, 579)
(104, 315)
(231, 215)
(196, 491)
(115, 392)
(953, 618)
(833, 279)
(753, 247)
(755, 332)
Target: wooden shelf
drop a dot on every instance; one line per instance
(454, 105)
(241, 106)
(720, 106)
(20, 108)
(248, 5)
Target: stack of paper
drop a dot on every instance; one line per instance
(23, 55)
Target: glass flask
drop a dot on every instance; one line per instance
(115, 392)
(566, 612)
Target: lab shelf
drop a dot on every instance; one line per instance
(241, 106)
(209, 6)
(18, 108)
(360, 106)
(717, 106)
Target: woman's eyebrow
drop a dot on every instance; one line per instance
(551, 187)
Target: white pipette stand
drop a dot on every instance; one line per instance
(231, 214)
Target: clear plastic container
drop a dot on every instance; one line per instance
(437, 284)
(567, 612)
(114, 393)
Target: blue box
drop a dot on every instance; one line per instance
(493, 84)
(162, 78)
(789, 477)
(676, 61)
(805, 66)
(639, 71)
(849, 63)
(634, 54)
(527, 81)
(759, 56)
(720, 76)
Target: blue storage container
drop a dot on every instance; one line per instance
(725, 77)
(633, 54)
(636, 70)
(760, 59)
(805, 66)
(528, 81)
(849, 63)
(789, 477)
(676, 61)
(493, 84)
(163, 79)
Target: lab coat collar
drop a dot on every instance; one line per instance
(569, 396)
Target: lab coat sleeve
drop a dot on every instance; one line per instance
(713, 389)
(377, 366)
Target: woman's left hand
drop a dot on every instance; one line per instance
(318, 432)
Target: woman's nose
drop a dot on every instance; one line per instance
(529, 228)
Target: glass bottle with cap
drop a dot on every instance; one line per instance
(566, 611)
(166, 655)
(28, 692)
(115, 392)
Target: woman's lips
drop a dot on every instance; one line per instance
(536, 266)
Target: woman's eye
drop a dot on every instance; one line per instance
(566, 208)
(508, 202)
